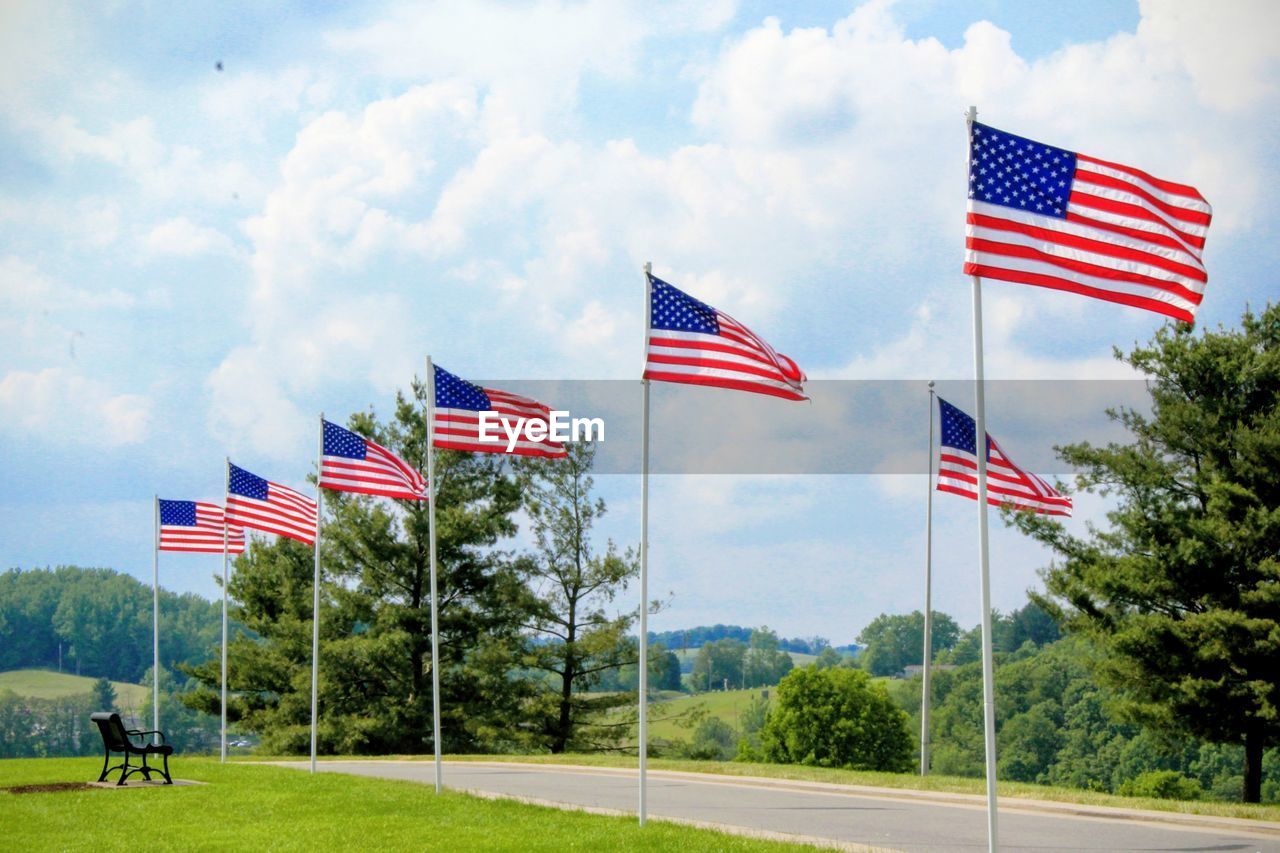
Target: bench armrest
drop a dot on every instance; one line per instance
(140, 732)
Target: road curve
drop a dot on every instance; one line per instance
(843, 815)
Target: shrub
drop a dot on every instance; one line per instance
(1161, 785)
(836, 718)
(713, 740)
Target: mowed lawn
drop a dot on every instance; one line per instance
(249, 807)
(46, 684)
(728, 705)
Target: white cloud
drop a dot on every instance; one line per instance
(182, 237)
(60, 405)
(529, 56)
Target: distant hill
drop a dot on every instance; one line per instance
(97, 622)
(43, 684)
(696, 638)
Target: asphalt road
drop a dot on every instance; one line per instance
(897, 821)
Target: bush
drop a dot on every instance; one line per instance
(1161, 785)
(713, 740)
(836, 718)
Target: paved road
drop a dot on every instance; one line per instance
(895, 821)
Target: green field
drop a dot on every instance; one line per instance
(726, 704)
(248, 807)
(46, 684)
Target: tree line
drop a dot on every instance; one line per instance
(97, 622)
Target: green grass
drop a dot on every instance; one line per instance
(46, 684)
(726, 704)
(246, 807)
(903, 781)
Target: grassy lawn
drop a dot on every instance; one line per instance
(725, 704)
(246, 807)
(46, 684)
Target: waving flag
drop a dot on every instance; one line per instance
(1006, 482)
(196, 526)
(1050, 217)
(353, 463)
(457, 418)
(270, 507)
(692, 343)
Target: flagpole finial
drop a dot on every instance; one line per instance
(971, 114)
(930, 386)
(648, 268)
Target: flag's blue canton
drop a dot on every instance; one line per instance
(178, 512)
(247, 485)
(958, 429)
(455, 393)
(677, 311)
(1020, 173)
(342, 442)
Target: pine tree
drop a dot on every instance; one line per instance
(1182, 592)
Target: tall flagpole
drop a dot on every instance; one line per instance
(980, 439)
(431, 536)
(644, 560)
(155, 623)
(223, 703)
(925, 695)
(315, 601)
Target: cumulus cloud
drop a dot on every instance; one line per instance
(182, 237)
(60, 405)
(819, 186)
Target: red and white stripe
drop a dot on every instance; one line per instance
(381, 472)
(1006, 482)
(205, 537)
(1127, 238)
(459, 429)
(737, 358)
(284, 513)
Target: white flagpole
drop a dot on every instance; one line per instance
(315, 602)
(155, 623)
(223, 703)
(431, 535)
(980, 439)
(644, 560)
(925, 695)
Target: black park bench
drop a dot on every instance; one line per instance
(116, 738)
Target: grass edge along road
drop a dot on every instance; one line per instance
(866, 778)
(251, 807)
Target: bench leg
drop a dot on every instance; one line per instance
(124, 770)
(106, 759)
(168, 780)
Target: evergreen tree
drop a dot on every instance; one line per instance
(103, 695)
(1182, 593)
(375, 673)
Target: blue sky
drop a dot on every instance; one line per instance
(195, 262)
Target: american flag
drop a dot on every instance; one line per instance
(353, 463)
(1054, 218)
(196, 526)
(693, 343)
(1006, 482)
(457, 418)
(270, 507)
